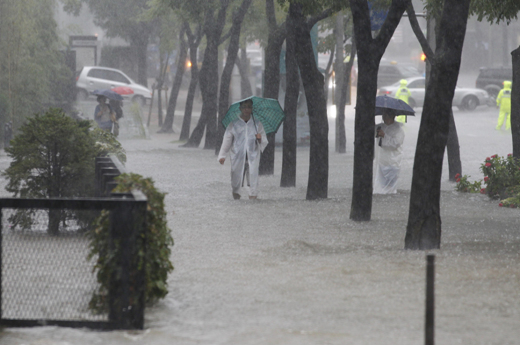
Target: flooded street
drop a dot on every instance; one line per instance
(283, 270)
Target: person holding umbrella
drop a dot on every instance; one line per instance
(389, 144)
(103, 114)
(245, 137)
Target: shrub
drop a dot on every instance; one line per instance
(502, 179)
(499, 174)
(52, 157)
(158, 241)
(463, 185)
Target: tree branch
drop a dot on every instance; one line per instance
(392, 20)
(430, 55)
(313, 20)
(271, 16)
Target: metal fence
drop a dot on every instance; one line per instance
(46, 277)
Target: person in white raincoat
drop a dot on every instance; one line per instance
(389, 142)
(246, 139)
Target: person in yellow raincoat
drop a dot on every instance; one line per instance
(403, 94)
(504, 103)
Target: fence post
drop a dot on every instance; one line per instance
(429, 329)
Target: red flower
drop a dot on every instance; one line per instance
(483, 191)
(488, 159)
(509, 154)
(457, 176)
(494, 156)
(489, 165)
(486, 178)
(500, 204)
(458, 180)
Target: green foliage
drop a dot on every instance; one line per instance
(502, 179)
(495, 11)
(500, 174)
(33, 71)
(157, 238)
(52, 156)
(463, 185)
(106, 143)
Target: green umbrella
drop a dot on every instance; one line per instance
(266, 110)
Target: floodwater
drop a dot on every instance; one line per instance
(283, 270)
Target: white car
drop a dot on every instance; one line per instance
(91, 78)
(464, 98)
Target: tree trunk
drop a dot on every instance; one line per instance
(423, 230)
(454, 164)
(515, 103)
(317, 186)
(271, 80)
(167, 127)
(341, 140)
(292, 91)
(141, 44)
(194, 42)
(370, 51)
(225, 80)
(243, 70)
(327, 76)
(209, 82)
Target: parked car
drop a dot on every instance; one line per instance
(464, 98)
(492, 79)
(390, 73)
(91, 78)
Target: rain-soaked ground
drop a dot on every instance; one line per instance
(283, 270)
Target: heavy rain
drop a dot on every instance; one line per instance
(284, 268)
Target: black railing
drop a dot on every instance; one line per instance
(46, 277)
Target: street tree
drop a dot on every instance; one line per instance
(423, 230)
(215, 14)
(33, 72)
(312, 79)
(452, 145)
(124, 19)
(225, 80)
(370, 50)
(52, 157)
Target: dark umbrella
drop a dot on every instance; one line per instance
(108, 94)
(266, 110)
(392, 106)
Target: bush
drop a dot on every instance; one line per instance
(463, 185)
(52, 157)
(502, 179)
(158, 241)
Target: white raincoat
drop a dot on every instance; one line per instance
(240, 139)
(388, 158)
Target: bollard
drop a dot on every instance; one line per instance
(429, 331)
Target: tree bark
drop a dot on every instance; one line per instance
(271, 79)
(370, 52)
(193, 42)
(243, 70)
(339, 71)
(167, 126)
(209, 81)
(317, 186)
(454, 163)
(341, 140)
(423, 230)
(515, 103)
(225, 79)
(292, 91)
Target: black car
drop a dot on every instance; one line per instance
(492, 79)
